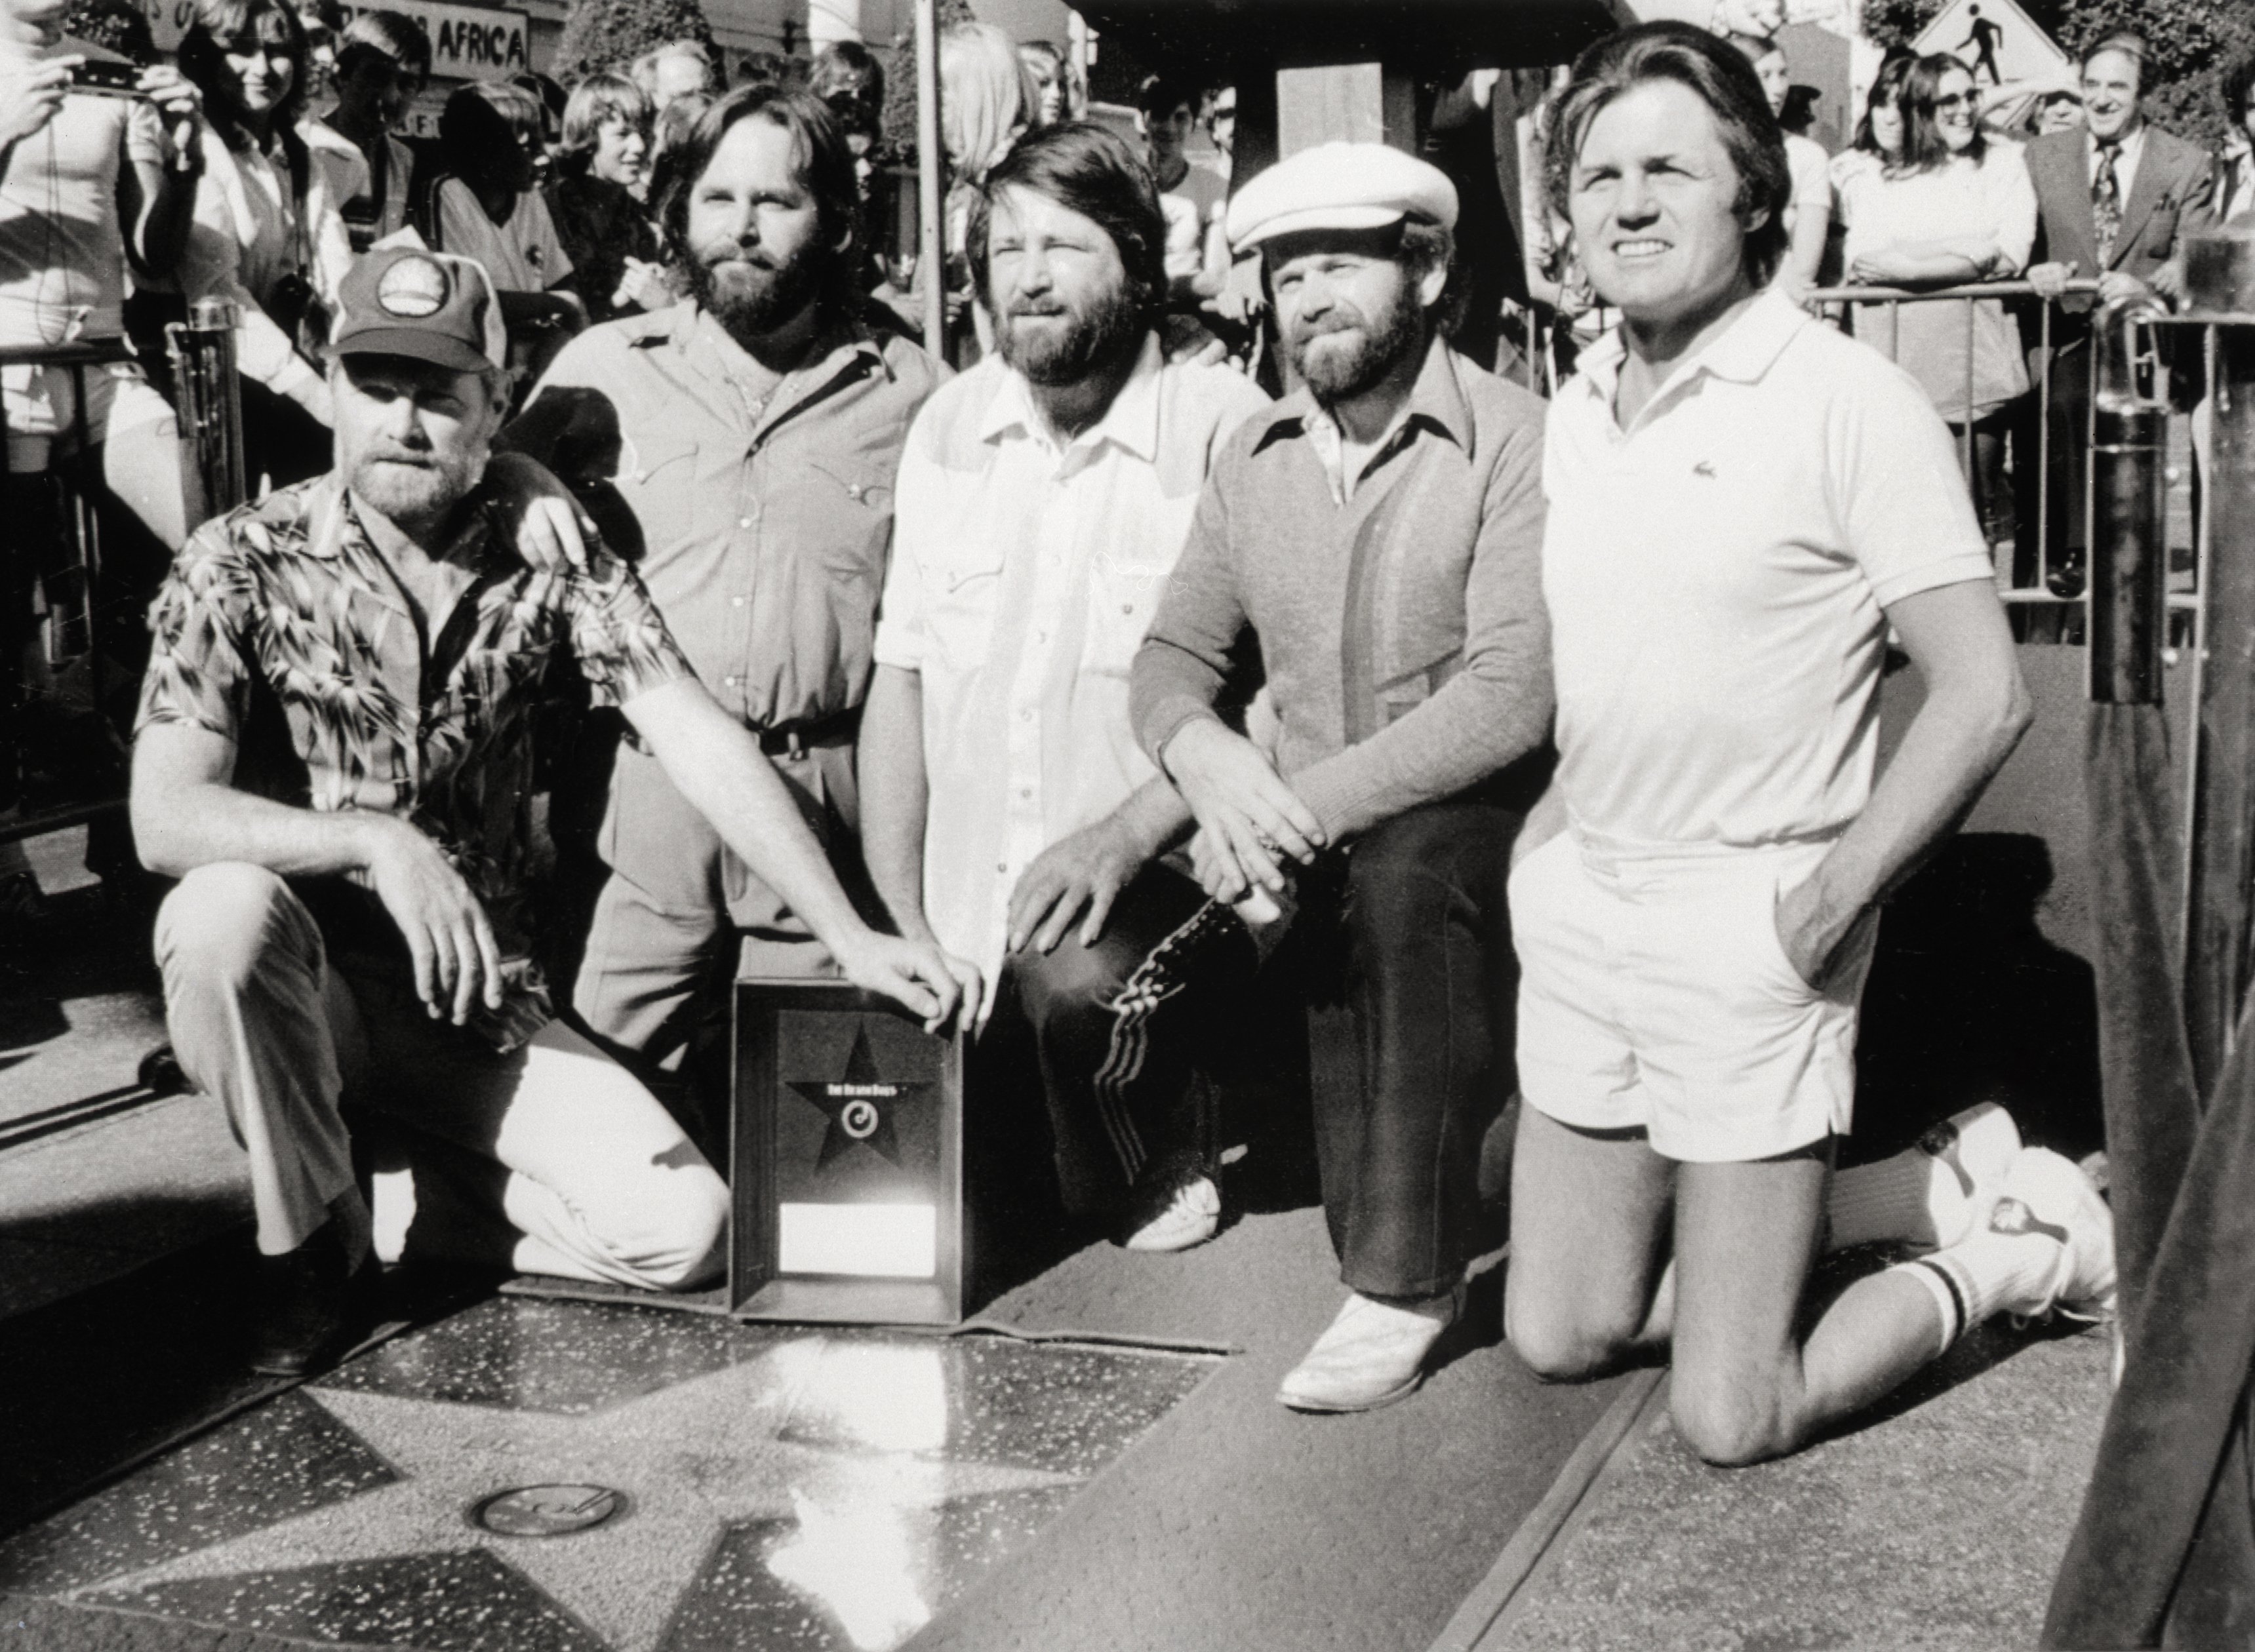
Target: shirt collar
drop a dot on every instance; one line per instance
(1742, 354)
(843, 341)
(2125, 153)
(1131, 423)
(1437, 399)
(331, 520)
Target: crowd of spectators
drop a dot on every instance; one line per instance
(277, 152)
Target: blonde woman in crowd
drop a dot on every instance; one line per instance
(986, 97)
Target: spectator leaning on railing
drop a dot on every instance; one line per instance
(1955, 207)
(1878, 144)
(2116, 199)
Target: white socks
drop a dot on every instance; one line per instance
(1987, 1274)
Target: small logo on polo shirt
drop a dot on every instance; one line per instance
(1705, 468)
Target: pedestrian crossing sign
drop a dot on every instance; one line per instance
(1998, 42)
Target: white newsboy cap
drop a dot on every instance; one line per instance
(1340, 186)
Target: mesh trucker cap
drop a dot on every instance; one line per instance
(429, 306)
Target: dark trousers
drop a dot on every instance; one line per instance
(1117, 1029)
(1410, 935)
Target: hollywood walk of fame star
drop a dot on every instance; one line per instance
(861, 1104)
(692, 1459)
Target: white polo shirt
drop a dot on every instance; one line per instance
(1716, 575)
(1023, 578)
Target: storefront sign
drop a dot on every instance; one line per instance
(467, 43)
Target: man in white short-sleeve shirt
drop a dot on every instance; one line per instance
(1742, 505)
(1042, 500)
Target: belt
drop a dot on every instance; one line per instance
(794, 738)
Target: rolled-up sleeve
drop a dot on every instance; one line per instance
(1179, 671)
(1491, 713)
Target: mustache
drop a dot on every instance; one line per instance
(422, 457)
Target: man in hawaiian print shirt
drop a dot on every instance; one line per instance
(334, 757)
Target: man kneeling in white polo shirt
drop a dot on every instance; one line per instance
(1742, 503)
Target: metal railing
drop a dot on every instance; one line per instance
(210, 396)
(2041, 571)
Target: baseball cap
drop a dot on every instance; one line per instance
(1340, 186)
(428, 306)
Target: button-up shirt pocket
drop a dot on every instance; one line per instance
(962, 589)
(657, 476)
(836, 518)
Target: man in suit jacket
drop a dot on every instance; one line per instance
(2116, 197)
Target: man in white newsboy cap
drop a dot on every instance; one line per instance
(1379, 531)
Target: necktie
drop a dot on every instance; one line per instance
(2106, 201)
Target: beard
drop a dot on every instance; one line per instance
(415, 487)
(1341, 361)
(749, 293)
(1072, 341)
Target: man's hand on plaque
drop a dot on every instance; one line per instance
(1085, 870)
(936, 985)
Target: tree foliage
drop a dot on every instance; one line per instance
(900, 115)
(609, 34)
(2190, 44)
(119, 25)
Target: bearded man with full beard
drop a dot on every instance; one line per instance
(1007, 815)
(739, 448)
(1379, 533)
(335, 758)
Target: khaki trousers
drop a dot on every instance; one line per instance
(551, 1158)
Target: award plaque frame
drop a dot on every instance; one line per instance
(845, 1159)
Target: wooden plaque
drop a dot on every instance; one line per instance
(847, 1159)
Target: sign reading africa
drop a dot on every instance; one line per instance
(467, 43)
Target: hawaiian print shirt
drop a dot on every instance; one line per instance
(282, 628)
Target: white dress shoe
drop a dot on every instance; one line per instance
(1373, 1356)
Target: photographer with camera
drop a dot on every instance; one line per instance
(97, 172)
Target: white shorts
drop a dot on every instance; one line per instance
(41, 404)
(1654, 994)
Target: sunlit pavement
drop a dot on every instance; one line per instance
(543, 1475)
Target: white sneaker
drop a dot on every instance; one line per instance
(1373, 1356)
(1979, 1145)
(1191, 1217)
(2045, 1194)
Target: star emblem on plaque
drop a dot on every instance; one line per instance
(860, 1104)
(846, 1161)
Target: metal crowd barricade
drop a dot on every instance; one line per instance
(209, 405)
(1874, 314)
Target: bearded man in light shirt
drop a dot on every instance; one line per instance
(1042, 500)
